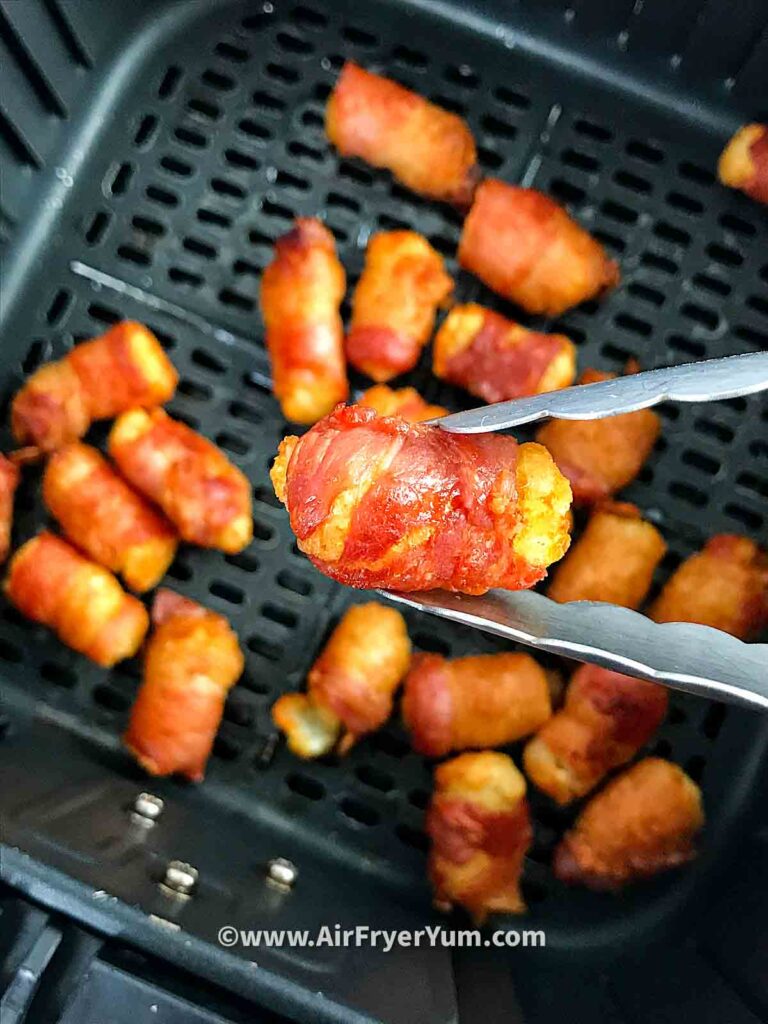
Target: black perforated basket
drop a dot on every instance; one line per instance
(150, 155)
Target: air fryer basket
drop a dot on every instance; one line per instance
(147, 177)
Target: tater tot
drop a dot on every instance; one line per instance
(301, 291)
(206, 498)
(499, 360)
(643, 822)
(80, 601)
(9, 481)
(406, 403)
(525, 247)
(725, 585)
(378, 502)
(613, 560)
(480, 828)
(192, 660)
(98, 379)
(429, 149)
(744, 162)
(351, 686)
(394, 305)
(599, 457)
(607, 717)
(484, 700)
(106, 518)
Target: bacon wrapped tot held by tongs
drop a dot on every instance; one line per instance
(191, 662)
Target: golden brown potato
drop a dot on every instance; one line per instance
(192, 660)
(378, 502)
(599, 457)
(351, 686)
(106, 518)
(744, 162)
(429, 149)
(81, 602)
(406, 403)
(613, 560)
(9, 481)
(643, 822)
(206, 498)
(725, 586)
(301, 291)
(395, 302)
(499, 360)
(98, 379)
(525, 247)
(607, 717)
(480, 829)
(484, 700)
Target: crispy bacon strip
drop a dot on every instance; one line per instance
(406, 403)
(643, 822)
(725, 585)
(606, 719)
(484, 700)
(498, 360)
(106, 518)
(192, 661)
(429, 149)
(81, 602)
(206, 498)
(613, 560)
(394, 306)
(351, 686)
(599, 457)
(744, 162)
(98, 379)
(480, 829)
(301, 291)
(9, 481)
(525, 247)
(378, 502)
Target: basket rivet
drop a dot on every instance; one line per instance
(147, 809)
(281, 874)
(180, 878)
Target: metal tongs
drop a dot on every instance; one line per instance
(689, 657)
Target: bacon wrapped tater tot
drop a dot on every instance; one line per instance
(9, 481)
(525, 247)
(599, 457)
(613, 560)
(484, 700)
(725, 585)
(744, 162)
(394, 305)
(206, 498)
(607, 717)
(80, 601)
(98, 379)
(106, 518)
(499, 360)
(351, 686)
(429, 149)
(406, 403)
(480, 829)
(643, 822)
(377, 502)
(301, 291)
(192, 661)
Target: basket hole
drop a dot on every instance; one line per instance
(633, 325)
(359, 812)
(179, 168)
(374, 778)
(711, 284)
(307, 17)
(695, 173)
(713, 720)
(253, 129)
(687, 204)
(131, 254)
(352, 172)
(305, 785)
(646, 294)
(511, 97)
(34, 357)
(303, 152)
(268, 649)
(257, 22)
(694, 767)
(669, 233)
(293, 181)
(410, 58)
(203, 110)
(704, 463)
(413, 837)
(185, 278)
(212, 217)
(358, 37)
(419, 798)
(281, 73)
(145, 132)
(200, 248)
(118, 178)
(618, 212)
(679, 343)
(581, 161)
(191, 138)
(461, 75)
(566, 192)
(217, 80)
(59, 307)
(645, 151)
(241, 161)
(292, 581)
(757, 338)
(700, 315)
(97, 228)
(148, 226)
(202, 358)
(612, 242)
(489, 159)
(180, 571)
(660, 263)
(272, 209)
(230, 52)
(243, 561)
(282, 616)
(736, 224)
(497, 128)
(291, 43)
(108, 697)
(591, 130)
(227, 592)
(633, 182)
(433, 644)
(10, 652)
(756, 484)
(238, 712)
(392, 746)
(726, 256)
(162, 196)
(229, 297)
(752, 520)
(711, 428)
(197, 392)
(226, 749)
(758, 304)
(169, 83)
(688, 493)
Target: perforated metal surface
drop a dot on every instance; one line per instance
(213, 144)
